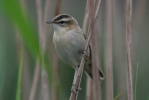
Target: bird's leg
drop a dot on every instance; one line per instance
(85, 52)
(74, 80)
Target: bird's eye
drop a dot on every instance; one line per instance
(61, 22)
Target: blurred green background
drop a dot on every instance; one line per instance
(19, 33)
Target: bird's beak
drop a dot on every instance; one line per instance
(49, 22)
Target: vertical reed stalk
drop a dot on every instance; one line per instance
(128, 47)
(108, 49)
(20, 57)
(42, 38)
(46, 16)
(56, 77)
(25, 84)
(35, 81)
(89, 89)
(138, 16)
(18, 92)
(89, 83)
(95, 50)
(37, 69)
(41, 33)
(73, 95)
(139, 12)
(56, 60)
(86, 17)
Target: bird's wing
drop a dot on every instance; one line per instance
(88, 49)
(88, 64)
(84, 35)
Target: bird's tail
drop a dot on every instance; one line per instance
(89, 72)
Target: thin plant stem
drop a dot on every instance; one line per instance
(138, 16)
(73, 95)
(89, 83)
(42, 41)
(139, 12)
(46, 16)
(95, 51)
(136, 81)
(18, 93)
(37, 68)
(35, 81)
(86, 17)
(40, 25)
(56, 60)
(128, 47)
(56, 77)
(108, 49)
(89, 89)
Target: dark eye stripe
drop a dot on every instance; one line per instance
(63, 22)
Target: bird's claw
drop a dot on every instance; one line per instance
(73, 88)
(85, 52)
(79, 88)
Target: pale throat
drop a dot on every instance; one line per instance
(58, 31)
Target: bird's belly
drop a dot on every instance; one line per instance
(70, 50)
(69, 56)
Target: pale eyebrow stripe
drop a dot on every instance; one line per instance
(64, 19)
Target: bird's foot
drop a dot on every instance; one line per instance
(73, 88)
(85, 52)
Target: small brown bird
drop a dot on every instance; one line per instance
(69, 41)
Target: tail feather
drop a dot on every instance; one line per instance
(88, 66)
(101, 75)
